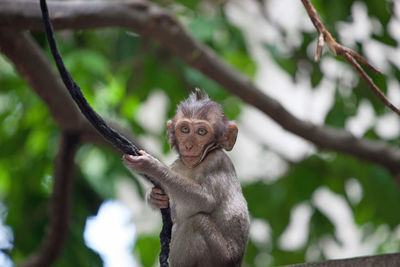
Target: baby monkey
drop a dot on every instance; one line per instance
(208, 210)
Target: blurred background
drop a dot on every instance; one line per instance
(306, 204)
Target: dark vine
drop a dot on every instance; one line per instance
(111, 135)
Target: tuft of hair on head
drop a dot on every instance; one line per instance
(196, 102)
(200, 94)
(198, 105)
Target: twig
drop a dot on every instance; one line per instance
(349, 55)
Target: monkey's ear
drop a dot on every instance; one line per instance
(170, 134)
(229, 137)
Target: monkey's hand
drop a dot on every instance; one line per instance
(157, 198)
(145, 163)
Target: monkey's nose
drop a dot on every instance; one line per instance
(188, 146)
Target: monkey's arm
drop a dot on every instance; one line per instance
(171, 181)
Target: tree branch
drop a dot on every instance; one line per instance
(349, 55)
(33, 65)
(368, 261)
(152, 21)
(60, 204)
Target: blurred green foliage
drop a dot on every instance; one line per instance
(117, 71)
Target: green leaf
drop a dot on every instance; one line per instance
(285, 62)
(240, 61)
(316, 76)
(320, 227)
(192, 4)
(203, 28)
(147, 249)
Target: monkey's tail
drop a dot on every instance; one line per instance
(111, 135)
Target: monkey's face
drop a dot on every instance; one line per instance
(194, 138)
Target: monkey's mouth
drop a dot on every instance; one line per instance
(190, 161)
(190, 156)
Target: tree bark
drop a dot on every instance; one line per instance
(384, 260)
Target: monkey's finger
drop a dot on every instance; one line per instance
(158, 191)
(159, 197)
(156, 201)
(160, 204)
(164, 206)
(130, 158)
(142, 152)
(157, 194)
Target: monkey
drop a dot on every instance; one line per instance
(209, 212)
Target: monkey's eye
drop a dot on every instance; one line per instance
(185, 129)
(202, 131)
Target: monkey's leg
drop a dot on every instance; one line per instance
(219, 249)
